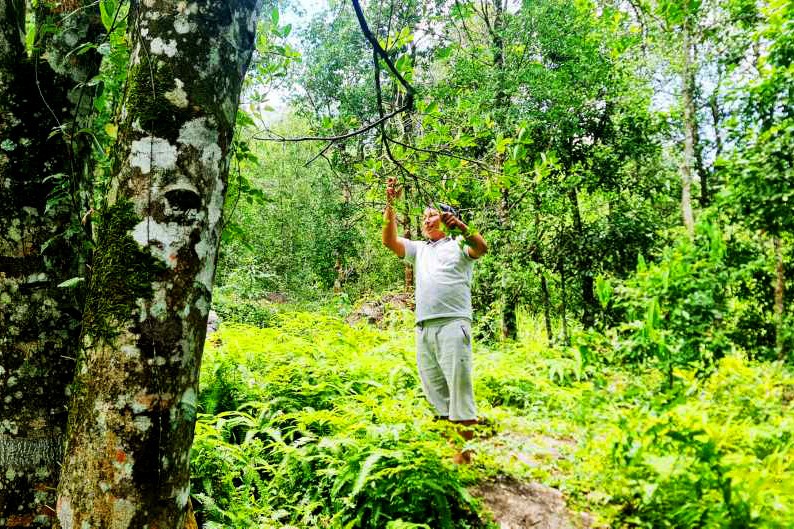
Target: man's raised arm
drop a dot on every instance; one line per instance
(389, 235)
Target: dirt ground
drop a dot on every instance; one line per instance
(517, 505)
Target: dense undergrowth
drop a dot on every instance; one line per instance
(310, 422)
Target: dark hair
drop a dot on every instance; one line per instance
(447, 209)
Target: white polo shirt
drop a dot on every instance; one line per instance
(442, 272)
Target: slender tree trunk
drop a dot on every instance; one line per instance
(134, 399)
(716, 115)
(564, 303)
(509, 299)
(406, 136)
(690, 131)
(544, 287)
(509, 324)
(408, 270)
(716, 120)
(780, 282)
(589, 302)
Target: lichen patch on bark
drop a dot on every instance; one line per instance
(148, 153)
(178, 96)
(163, 240)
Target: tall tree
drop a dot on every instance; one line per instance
(41, 245)
(132, 404)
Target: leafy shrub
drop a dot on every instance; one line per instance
(707, 295)
(231, 308)
(723, 460)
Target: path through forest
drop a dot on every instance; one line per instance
(528, 505)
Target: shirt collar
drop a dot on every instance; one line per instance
(439, 241)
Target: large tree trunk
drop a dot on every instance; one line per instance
(39, 249)
(133, 410)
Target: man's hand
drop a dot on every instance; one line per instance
(452, 222)
(392, 190)
(476, 246)
(389, 234)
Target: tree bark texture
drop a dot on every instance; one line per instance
(780, 283)
(39, 322)
(690, 131)
(589, 302)
(133, 409)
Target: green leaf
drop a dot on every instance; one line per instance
(107, 11)
(403, 64)
(604, 291)
(519, 152)
(71, 283)
(365, 471)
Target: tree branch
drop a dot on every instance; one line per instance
(334, 139)
(447, 153)
(378, 49)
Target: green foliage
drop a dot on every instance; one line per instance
(314, 423)
(762, 176)
(722, 459)
(705, 296)
(291, 231)
(678, 304)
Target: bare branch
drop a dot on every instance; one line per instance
(378, 49)
(334, 139)
(445, 152)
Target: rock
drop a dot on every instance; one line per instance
(213, 321)
(374, 311)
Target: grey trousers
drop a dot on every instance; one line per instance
(444, 359)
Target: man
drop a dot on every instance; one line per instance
(443, 268)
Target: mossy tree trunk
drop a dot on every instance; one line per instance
(133, 410)
(40, 248)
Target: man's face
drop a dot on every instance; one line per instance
(431, 225)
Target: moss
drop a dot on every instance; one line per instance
(123, 273)
(149, 83)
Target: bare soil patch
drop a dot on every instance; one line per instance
(517, 505)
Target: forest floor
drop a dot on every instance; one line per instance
(518, 504)
(316, 423)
